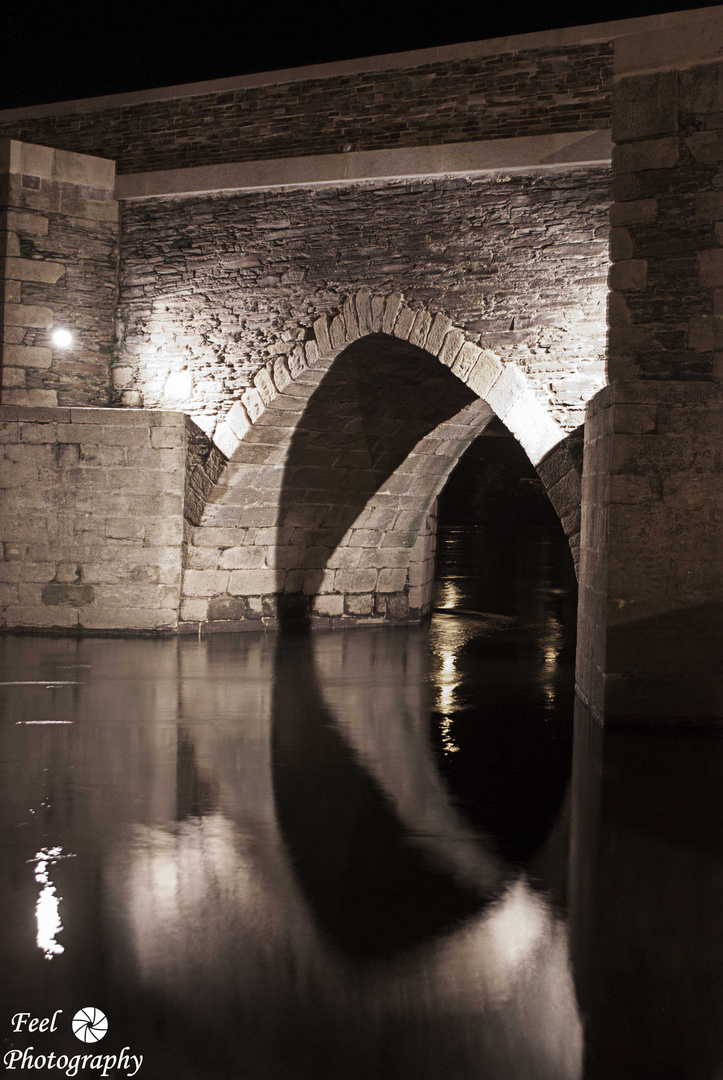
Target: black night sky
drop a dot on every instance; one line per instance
(57, 52)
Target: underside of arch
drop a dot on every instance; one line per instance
(317, 502)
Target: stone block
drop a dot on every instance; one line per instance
(706, 146)
(10, 432)
(645, 106)
(74, 595)
(122, 377)
(710, 267)
(38, 270)
(194, 610)
(282, 375)
(392, 308)
(328, 604)
(252, 582)
(441, 325)
(628, 340)
(451, 346)
(392, 580)
(618, 310)
(350, 319)
(646, 154)
(243, 558)
(365, 538)
(505, 390)
(709, 206)
(638, 212)
(355, 581)
(621, 368)
(13, 378)
(359, 604)
(383, 557)
(364, 313)
(28, 315)
(533, 427)
(264, 385)
(378, 308)
(404, 323)
(10, 292)
(204, 582)
(323, 338)
(337, 332)
(41, 617)
(9, 243)
(208, 536)
(465, 360)
(420, 330)
(701, 89)
(300, 358)
(635, 419)
(253, 404)
(315, 581)
(621, 245)
(485, 373)
(29, 224)
(30, 397)
(628, 275)
(347, 558)
(128, 618)
(166, 438)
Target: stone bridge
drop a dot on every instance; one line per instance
(296, 298)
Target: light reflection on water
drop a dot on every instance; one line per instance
(280, 870)
(193, 883)
(47, 909)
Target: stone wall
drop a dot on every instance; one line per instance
(58, 269)
(213, 288)
(530, 92)
(651, 576)
(666, 308)
(91, 518)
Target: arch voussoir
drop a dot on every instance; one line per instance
(245, 515)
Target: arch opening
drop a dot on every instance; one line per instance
(322, 510)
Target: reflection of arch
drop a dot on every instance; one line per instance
(336, 441)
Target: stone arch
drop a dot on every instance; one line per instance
(504, 387)
(260, 534)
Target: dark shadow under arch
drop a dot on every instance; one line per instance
(379, 398)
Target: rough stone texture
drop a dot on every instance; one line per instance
(326, 509)
(649, 626)
(531, 92)
(91, 518)
(518, 263)
(58, 269)
(327, 506)
(667, 271)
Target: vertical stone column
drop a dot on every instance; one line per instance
(58, 270)
(650, 636)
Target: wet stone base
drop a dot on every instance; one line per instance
(240, 614)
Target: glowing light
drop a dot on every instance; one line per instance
(47, 909)
(178, 386)
(62, 339)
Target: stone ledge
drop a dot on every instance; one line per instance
(528, 153)
(90, 415)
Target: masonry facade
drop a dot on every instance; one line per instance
(339, 307)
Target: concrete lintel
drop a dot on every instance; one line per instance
(531, 153)
(61, 166)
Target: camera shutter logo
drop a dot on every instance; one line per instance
(90, 1025)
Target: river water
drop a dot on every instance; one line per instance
(348, 855)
